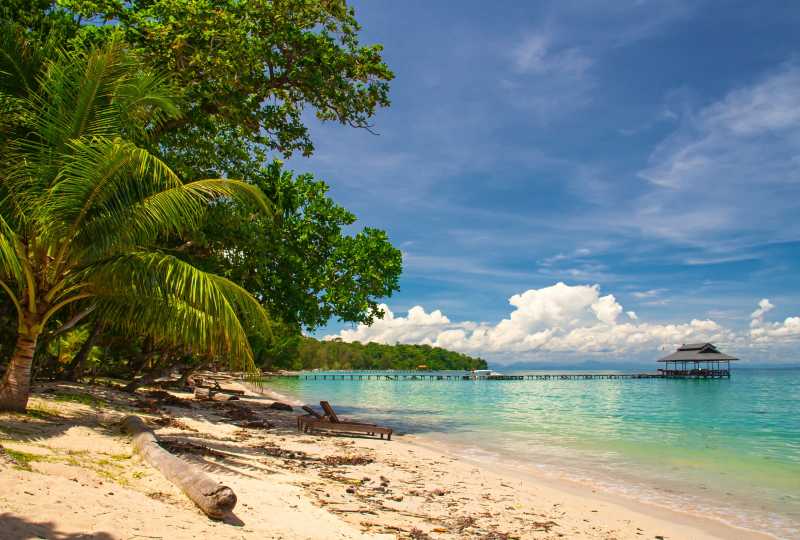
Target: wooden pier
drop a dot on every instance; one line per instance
(417, 376)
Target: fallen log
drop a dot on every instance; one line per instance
(213, 498)
(210, 394)
(217, 388)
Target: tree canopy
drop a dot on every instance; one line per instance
(85, 208)
(299, 262)
(248, 68)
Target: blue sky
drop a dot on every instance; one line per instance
(648, 150)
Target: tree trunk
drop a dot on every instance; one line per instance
(203, 394)
(74, 370)
(213, 498)
(16, 384)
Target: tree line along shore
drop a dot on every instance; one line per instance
(147, 221)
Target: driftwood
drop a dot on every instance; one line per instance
(206, 394)
(217, 388)
(213, 498)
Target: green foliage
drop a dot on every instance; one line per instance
(300, 263)
(310, 353)
(85, 207)
(79, 397)
(249, 67)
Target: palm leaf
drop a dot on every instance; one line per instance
(202, 308)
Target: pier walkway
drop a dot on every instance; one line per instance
(417, 376)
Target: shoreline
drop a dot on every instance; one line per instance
(585, 489)
(716, 527)
(80, 478)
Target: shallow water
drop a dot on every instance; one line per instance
(726, 448)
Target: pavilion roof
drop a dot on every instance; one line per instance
(697, 352)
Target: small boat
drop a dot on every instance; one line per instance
(483, 374)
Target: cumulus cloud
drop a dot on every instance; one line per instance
(764, 333)
(559, 318)
(757, 317)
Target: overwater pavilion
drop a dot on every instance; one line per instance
(697, 361)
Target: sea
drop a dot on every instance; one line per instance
(724, 448)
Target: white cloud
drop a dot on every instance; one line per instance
(788, 330)
(766, 333)
(548, 78)
(537, 54)
(559, 318)
(632, 315)
(731, 167)
(652, 293)
(764, 306)
(417, 327)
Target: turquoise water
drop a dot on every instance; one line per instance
(728, 448)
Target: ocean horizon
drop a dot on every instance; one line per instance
(724, 448)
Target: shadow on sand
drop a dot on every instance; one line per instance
(18, 528)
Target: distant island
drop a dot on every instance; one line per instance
(310, 353)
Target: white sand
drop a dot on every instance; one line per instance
(84, 483)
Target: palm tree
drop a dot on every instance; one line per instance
(84, 206)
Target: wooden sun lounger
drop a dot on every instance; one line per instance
(312, 415)
(331, 422)
(346, 427)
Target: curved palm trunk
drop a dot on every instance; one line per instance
(16, 384)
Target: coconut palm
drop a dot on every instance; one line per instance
(84, 206)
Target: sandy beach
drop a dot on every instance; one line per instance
(68, 472)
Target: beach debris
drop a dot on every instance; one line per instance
(278, 406)
(337, 478)
(496, 535)
(215, 499)
(275, 451)
(464, 522)
(235, 411)
(204, 394)
(159, 495)
(543, 525)
(418, 534)
(168, 421)
(350, 489)
(348, 459)
(7, 459)
(187, 447)
(255, 424)
(439, 492)
(165, 398)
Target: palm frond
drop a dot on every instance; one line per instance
(146, 100)
(205, 308)
(168, 212)
(10, 265)
(21, 59)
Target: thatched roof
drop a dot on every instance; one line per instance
(697, 352)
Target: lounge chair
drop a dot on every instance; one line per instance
(331, 422)
(312, 415)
